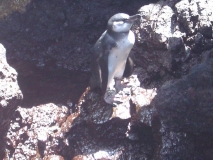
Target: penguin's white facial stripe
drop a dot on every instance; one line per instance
(115, 23)
(121, 26)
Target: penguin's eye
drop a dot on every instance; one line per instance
(124, 19)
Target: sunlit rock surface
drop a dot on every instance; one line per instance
(195, 16)
(10, 96)
(36, 132)
(99, 155)
(126, 102)
(171, 37)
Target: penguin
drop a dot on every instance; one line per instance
(111, 57)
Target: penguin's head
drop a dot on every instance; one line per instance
(121, 22)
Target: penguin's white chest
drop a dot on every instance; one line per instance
(118, 56)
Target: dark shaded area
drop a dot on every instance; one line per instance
(41, 148)
(184, 110)
(60, 32)
(49, 85)
(109, 137)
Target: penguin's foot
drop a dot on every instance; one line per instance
(109, 96)
(120, 85)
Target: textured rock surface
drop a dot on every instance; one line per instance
(126, 102)
(10, 96)
(109, 138)
(155, 29)
(180, 115)
(171, 38)
(185, 115)
(37, 132)
(51, 130)
(195, 16)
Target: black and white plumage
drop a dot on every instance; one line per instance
(111, 59)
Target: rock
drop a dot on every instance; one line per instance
(10, 96)
(191, 94)
(99, 155)
(195, 16)
(181, 115)
(155, 24)
(127, 103)
(108, 140)
(158, 39)
(53, 157)
(170, 33)
(38, 132)
(93, 108)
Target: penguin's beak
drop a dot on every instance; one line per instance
(133, 18)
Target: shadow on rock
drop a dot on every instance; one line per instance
(93, 107)
(181, 115)
(106, 129)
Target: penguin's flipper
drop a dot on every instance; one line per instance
(99, 62)
(95, 79)
(129, 68)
